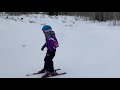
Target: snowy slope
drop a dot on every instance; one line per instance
(86, 49)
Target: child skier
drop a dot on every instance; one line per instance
(51, 44)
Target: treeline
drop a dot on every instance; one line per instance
(19, 13)
(100, 16)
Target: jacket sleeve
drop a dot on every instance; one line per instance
(44, 46)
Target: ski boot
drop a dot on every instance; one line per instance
(42, 71)
(49, 74)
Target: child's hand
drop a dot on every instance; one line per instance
(42, 49)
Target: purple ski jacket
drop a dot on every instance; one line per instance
(51, 43)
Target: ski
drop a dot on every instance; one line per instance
(39, 73)
(54, 75)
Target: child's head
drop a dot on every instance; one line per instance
(46, 29)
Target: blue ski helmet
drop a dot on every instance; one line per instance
(47, 28)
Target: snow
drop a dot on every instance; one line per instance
(87, 49)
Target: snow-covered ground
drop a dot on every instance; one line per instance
(87, 49)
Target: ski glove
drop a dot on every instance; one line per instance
(43, 47)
